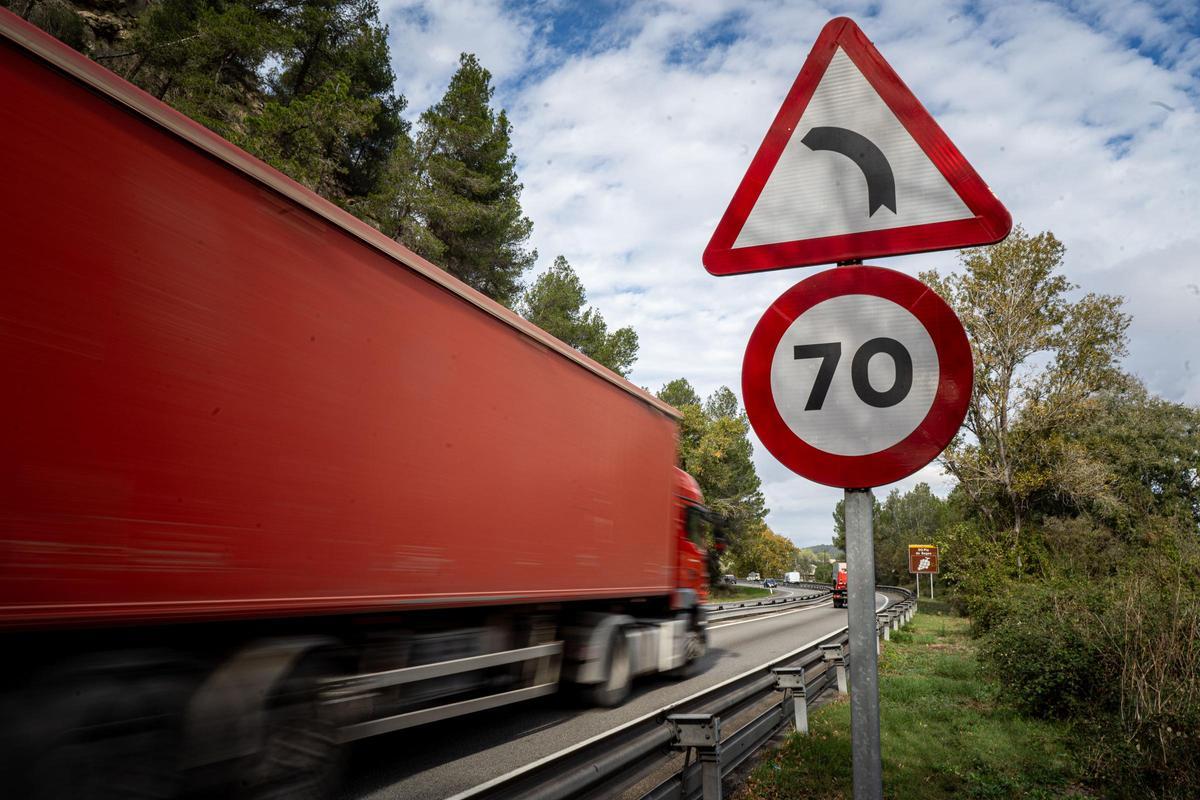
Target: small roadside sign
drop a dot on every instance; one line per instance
(852, 167)
(923, 559)
(857, 377)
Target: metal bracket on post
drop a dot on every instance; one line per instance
(790, 680)
(834, 653)
(702, 732)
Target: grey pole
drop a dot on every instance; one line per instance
(864, 660)
(931, 586)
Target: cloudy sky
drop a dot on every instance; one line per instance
(634, 122)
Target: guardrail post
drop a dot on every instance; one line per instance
(790, 680)
(887, 628)
(833, 652)
(878, 638)
(702, 732)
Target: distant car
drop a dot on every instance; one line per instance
(770, 583)
(729, 579)
(753, 576)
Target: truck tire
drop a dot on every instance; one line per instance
(618, 674)
(300, 757)
(694, 650)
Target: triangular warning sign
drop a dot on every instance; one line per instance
(853, 167)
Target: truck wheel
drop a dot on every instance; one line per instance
(618, 675)
(300, 757)
(694, 650)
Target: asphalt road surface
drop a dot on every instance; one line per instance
(439, 760)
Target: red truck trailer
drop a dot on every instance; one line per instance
(273, 483)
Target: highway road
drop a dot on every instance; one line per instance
(439, 760)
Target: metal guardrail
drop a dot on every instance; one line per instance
(741, 608)
(607, 765)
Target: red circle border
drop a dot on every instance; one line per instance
(902, 459)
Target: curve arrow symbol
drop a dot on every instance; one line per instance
(881, 183)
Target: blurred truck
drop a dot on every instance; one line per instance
(272, 483)
(791, 577)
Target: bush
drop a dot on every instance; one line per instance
(1149, 635)
(1120, 656)
(1039, 649)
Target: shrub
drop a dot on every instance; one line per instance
(1040, 651)
(1149, 635)
(1120, 656)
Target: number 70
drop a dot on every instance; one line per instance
(830, 354)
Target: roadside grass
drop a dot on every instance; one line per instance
(727, 593)
(939, 608)
(944, 733)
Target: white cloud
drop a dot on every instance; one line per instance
(427, 38)
(631, 148)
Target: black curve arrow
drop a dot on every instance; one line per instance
(881, 183)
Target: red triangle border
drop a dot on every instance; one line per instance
(991, 221)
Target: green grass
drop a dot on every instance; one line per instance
(727, 593)
(945, 735)
(935, 607)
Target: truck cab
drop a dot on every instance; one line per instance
(839, 587)
(695, 531)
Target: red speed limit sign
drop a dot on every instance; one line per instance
(857, 376)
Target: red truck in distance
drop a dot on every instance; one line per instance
(839, 586)
(272, 483)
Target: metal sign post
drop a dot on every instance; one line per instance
(855, 377)
(864, 663)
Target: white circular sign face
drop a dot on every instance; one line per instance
(854, 375)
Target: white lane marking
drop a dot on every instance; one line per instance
(475, 791)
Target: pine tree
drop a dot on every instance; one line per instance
(555, 303)
(470, 207)
(306, 86)
(336, 67)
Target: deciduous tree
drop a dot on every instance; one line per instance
(1040, 354)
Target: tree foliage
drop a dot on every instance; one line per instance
(714, 446)
(1073, 535)
(308, 87)
(468, 192)
(1039, 357)
(914, 517)
(759, 549)
(555, 302)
